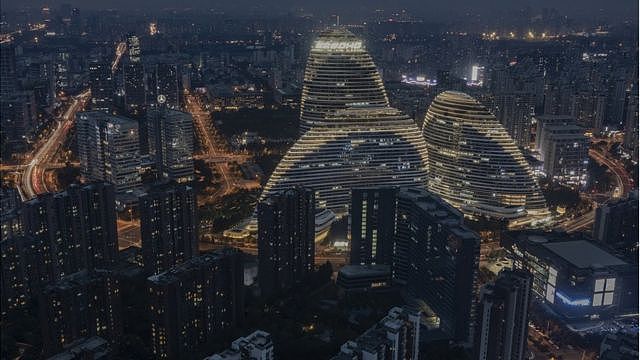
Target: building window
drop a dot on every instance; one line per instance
(603, 291)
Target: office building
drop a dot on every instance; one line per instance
(616, 222)
(503, 317)
(171, 143)
(564, 149)
(286, 239)
(81, 305)
(93, 348)
(396, 336)
(257, 346)
(574, 277)
(363, 146)
(549, 120)
(134, 87)
(109, 150)
(133, 47)
(102, 86)
(169, 226)
(194, 302)
(474, 165)
(437, 260)
(372, 225)
(339, 72)
(352, 138)
(168, 82)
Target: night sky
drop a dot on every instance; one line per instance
(428, 9)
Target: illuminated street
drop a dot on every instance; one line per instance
(33, 178)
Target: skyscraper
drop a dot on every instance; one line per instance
(171, 143)
(169, 226)
(8, 82)
(134, 88)
(339, 72)
(631, 125)
(474, 164)
(109, 150)
(102, 86)
(192, 303)
(437, 258)
(373, 225)
(357, 147)
(83, 304)
(168, 80)
(352, 138)
(286, 235)
(503, 317)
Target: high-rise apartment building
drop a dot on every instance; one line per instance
(474, 164)
(286, 235)
(514, 111)
(503, 317)
(373, 224)
(396, 336)
(169, 226)
(437, 259)
(171, 143)
(75, 229)
(192, 303)
(257, 346)
(83, 304)
(616, 222)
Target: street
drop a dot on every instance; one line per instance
(32, 181)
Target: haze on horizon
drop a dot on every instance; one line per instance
(615, 10)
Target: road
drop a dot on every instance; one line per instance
(624, 184)
(32, 180)
(214, 150)
(623, 180)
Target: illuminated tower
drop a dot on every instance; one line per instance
(339, 72)
(356, 147)
(475, 165)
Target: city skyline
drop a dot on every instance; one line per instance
(319, 180)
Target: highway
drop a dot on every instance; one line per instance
(32, 180)
(624, 184)
(623, 180)
(215, 153)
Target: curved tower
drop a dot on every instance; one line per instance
(339, 72)
(475, 165)
(358, 146)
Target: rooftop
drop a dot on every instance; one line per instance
(583, 254)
